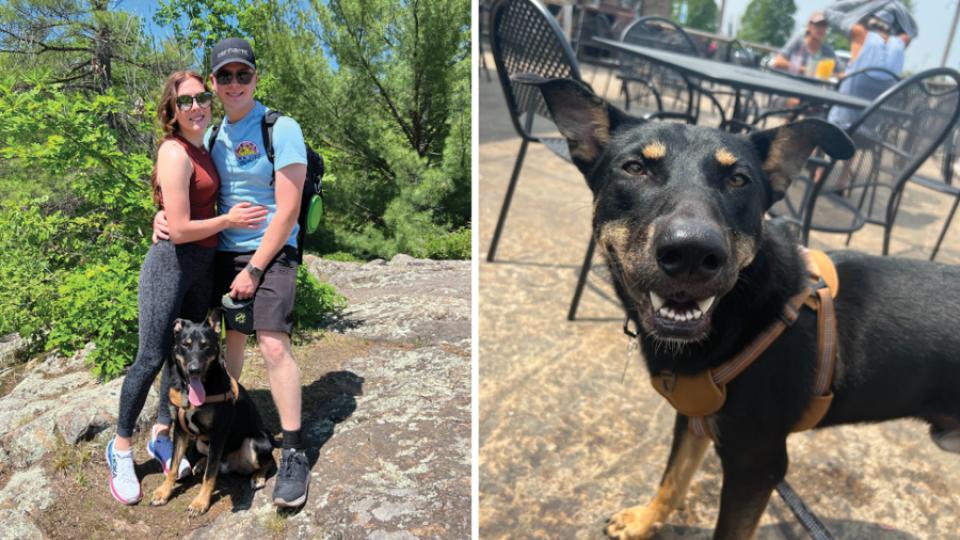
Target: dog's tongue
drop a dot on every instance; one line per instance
(197, 393)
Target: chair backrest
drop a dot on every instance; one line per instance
(525, 38)
(591, 24)
(660, 33)
(739, 54)
(894, 136)
(876, 73)
(664, 34)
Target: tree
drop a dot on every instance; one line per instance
(699, 14)
(768, 21)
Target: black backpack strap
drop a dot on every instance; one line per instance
(266, 127)
(212, 141)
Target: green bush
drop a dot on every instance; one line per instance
(453, 245)
(315, 300)
(342, 256)
(98, 303)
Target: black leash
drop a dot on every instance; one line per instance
(810, 522)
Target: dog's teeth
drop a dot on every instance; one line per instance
(670, 314)
(705, 304)
(657, 301)
(697, 314)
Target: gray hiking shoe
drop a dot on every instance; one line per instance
(293, 479)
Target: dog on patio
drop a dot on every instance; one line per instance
(707, 281)
(213, 409)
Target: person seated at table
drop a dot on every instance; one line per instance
(877, 40)
(802, 53)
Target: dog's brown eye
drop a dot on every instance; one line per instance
(738, 180)
(635, 168)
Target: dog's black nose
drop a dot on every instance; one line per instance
(691, 249)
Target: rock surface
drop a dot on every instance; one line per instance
(386, 417)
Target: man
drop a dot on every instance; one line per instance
(261, 263)
(796, 56)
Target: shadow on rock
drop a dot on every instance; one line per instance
(327, 401)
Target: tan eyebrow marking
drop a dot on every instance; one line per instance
(725, 157)
(654, 150)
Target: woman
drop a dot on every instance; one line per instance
(176, 279)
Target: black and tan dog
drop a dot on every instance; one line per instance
(679, 212)
(213, 409)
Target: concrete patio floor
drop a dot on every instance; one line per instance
(570, 429)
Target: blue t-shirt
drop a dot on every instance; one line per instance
(246, 173)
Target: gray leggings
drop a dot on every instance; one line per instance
(175, 281)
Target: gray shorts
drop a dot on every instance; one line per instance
(273, 301)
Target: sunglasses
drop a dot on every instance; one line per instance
(226, 77)
(202, 99)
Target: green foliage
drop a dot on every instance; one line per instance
(838, 41)
(342, 256)
(700, 14)
(315, 300)
(454, 245)
(383, 89)
(768, 21)
(98, 302)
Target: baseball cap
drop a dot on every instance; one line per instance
(817, 17)
(232, 50)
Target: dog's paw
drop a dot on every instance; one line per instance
(198, 507)
(160, 496)
(635, 523)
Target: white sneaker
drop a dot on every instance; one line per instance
(124, 484)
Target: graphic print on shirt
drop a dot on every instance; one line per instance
(247, 152)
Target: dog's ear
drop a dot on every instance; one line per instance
(177, 326)
(784, 150)
(583, 118)
(214, 318)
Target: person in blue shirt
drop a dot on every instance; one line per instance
(877, 40)
(261, 263)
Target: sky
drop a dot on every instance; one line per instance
(926, 51)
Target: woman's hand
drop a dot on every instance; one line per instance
(245, 215)
(160, 229)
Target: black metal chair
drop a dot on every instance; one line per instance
(894, 136)
(591, 25)
(944, 184)
(525, 38)
(650, 80)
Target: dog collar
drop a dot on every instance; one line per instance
(700, 395)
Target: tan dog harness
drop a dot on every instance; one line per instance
(703, 394)
(184, 405)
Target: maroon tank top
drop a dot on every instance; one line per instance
(204, 184)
